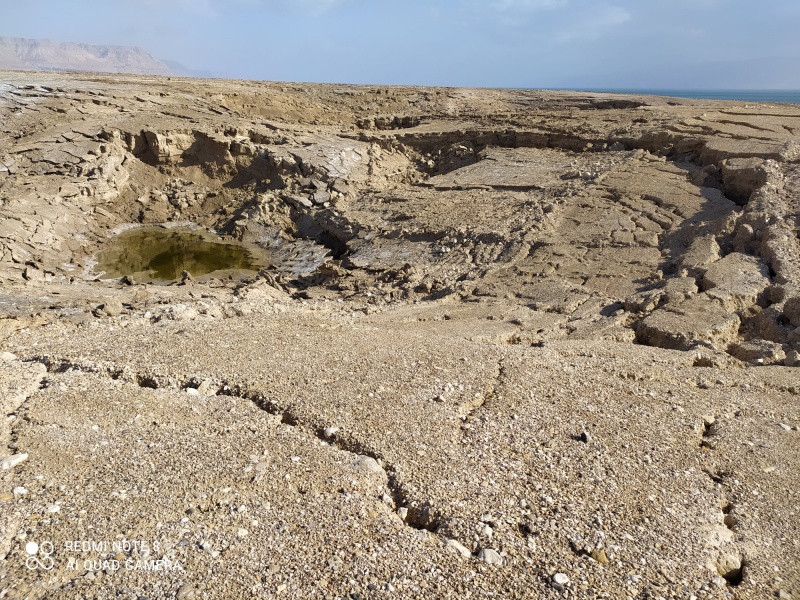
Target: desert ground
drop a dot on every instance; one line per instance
(498, 343)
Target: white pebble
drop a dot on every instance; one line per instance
(561, 579)
(490, 557)
(13, 461)
(457, 547)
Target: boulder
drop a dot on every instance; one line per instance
(697, 321)
(741, 177)
(759, 352)
(737, 281)
(791, 310)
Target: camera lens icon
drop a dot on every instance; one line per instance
(39, 556)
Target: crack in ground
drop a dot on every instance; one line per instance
(731, 562)
(419, 515)
(468, 409)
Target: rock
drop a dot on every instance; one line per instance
(12, 461)
(741, 177)
(702, 252)
(791, 310)
(456, 546)
(8, 357)
(680, 327)
(33, 274)
(53, 508)
(320, 197)
(585, 437)
(241, 533)
(599, 554)
(560, 579)
(784, 426)
(759, 352)
(186, 278)
(186, 592)
(301, 201)
(330, 432)
(490, 556)
(208, 388)
(738, 280)
(111, 308)
(19, 491)
(729, 566)
(792, 359)
(341, 187)
(367, 464)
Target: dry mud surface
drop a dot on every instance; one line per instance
(511, 344)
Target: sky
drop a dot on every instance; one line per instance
(645, 44)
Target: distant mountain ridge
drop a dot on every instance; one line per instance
(46, 55)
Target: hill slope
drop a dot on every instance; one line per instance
(46, 55)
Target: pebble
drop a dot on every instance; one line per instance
(490, 556)
(784, 427)
(560, 579)
(586, 437)
(458, 547)
(241, 532)
(12, 461)
(186, 592)
(599, 555)
(207, 388)
(331, 431)
(402, 512)
(8, 357)
(366, 464)
(20, 491)
(53, 508)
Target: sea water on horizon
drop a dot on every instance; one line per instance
(785, 96)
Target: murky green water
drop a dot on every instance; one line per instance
(155, 254)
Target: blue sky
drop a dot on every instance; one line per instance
(492, 43)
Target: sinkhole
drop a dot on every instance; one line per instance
(161, 255)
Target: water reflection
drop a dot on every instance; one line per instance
(157, 254)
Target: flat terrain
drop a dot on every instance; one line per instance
(510, 344)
